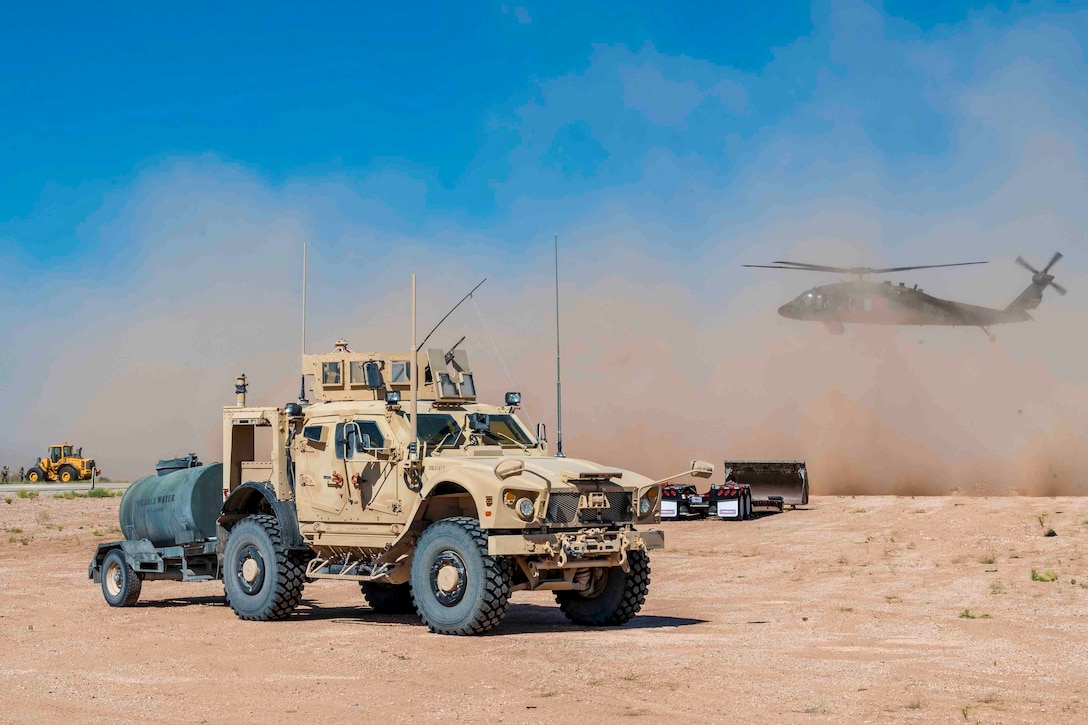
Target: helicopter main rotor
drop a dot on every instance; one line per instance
(862, 272)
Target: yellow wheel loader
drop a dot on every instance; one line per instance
(62, 464)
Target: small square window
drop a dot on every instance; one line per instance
(356, 372)
(330, 373)
(400, 372)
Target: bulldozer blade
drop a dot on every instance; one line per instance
(786, 481)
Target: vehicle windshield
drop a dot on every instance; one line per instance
(505, 430)
(438, 428)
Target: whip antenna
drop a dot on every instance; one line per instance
(558, 367)
(302, 385)
(452, 310)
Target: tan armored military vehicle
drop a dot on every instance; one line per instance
(449, 527)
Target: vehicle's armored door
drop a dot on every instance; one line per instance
(374, 493)
(320, 480)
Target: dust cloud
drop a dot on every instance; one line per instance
(670, 352)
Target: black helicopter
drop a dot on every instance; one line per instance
(864, 302)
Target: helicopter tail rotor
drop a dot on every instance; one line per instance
(1043, 278)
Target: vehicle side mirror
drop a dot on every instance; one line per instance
(479, 422)
(702, 469)
(541, 432)
(364, 443)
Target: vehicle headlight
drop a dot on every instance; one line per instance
(644, 506)
(526, 509)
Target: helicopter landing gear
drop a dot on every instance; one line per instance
(834, 327)
(986, 330)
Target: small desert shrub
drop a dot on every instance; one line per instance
(1046, 576)
(966, 614)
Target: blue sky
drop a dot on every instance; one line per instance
(474, 102)
(161, 169)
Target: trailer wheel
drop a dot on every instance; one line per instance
(456, 586)
(120, 584)
(35, 474)
(614, 596)
(388, 598)
(262, 581)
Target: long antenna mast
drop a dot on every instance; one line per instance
(558, 367)
(302, 385)
(413, 372)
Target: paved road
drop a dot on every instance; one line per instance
(61, 487)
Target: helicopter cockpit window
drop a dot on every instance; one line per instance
(808, 300)
(330, 373)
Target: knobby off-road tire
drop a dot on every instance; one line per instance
(389, 598)
(120, 584)
(456, 587)
(262, 581)
(68, 474)
(35, 475)
(614, 597)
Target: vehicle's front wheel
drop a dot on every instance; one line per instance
(35, 474)
(120, 584)
(388, 598)
(456, 586)
(261, 580)
(613, 597)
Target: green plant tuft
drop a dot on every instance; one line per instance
(1046, 576)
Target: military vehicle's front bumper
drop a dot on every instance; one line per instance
(573, 545)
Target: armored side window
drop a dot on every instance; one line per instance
(400, 372)
(349, 438)
(371, 429)
(315, 433)
(330, 373)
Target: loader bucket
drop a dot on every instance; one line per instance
(772, 480)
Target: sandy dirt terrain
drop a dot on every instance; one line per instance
(854, 610)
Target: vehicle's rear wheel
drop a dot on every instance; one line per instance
(68, 474)
(35, 474)
(457, 587)
(261, 579)
(388, 598)
(120, 584)
(614, 596)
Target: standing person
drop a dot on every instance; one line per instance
(4, 474)
(22, 474)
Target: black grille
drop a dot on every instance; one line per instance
(563, 509)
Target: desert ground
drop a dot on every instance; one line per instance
(866, 609)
